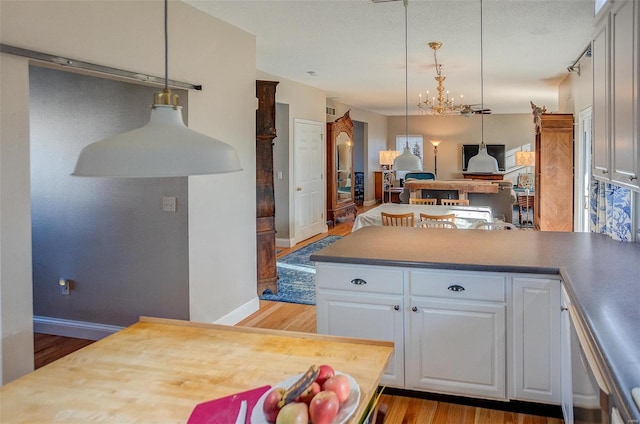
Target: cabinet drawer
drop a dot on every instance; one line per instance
(369, 279)
(458, 285)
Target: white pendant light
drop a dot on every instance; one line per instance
(407, 161)
(482, 162)
(165, 147)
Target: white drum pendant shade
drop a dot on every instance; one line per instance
(407, 161)
(165, 147)
(482, 162)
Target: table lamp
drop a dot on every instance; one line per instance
(387, 157)
(526, 159)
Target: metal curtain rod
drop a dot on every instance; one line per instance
(575, 67)
(78, 64)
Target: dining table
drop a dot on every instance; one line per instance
(172, 371)
(466, 216)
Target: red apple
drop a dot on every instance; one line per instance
(340, 385)
(308, 394)
(270, 405)
(324, 407)
(326, 372)
(293, 413)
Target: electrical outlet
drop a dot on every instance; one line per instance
(65, 286)
(279, 175)
(169, 204)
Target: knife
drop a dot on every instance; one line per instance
(242, 414)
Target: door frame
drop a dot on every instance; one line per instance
(582, 169)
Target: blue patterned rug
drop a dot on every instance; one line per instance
(296, 275)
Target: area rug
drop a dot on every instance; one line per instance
(296, 275)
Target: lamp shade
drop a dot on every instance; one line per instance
(387, 157)
(165, 147)
(435, 143)
(525, 158)
(482, 162)
(407, 161)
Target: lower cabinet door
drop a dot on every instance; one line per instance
(456, 347)
(366, 316)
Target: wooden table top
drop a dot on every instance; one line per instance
(463, 186)
(158, 370)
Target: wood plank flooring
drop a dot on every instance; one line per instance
(294, 317)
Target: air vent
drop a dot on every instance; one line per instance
(331, 111)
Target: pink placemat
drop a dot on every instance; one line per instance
(225, 410)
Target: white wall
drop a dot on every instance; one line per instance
(513, 130)
(304, 102)
(128, 35)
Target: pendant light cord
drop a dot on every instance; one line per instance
(166, 46)
(406, 76)
(481, 77)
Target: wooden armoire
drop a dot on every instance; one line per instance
(265, 199)
(340, 176)
(553, 201)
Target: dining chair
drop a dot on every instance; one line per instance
(436, 223)
(397, 219)
(484, 225)
(418, 201)
(454, 202)
(446, 217)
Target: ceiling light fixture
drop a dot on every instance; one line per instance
(439, 105)
(482, 162)
(165, 147)
(407, 161)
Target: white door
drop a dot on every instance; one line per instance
(308, 181)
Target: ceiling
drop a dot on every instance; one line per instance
(354, 50)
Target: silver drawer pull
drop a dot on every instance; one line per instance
(455, 288)
(358, 282)
(632, 178)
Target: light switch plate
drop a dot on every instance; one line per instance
(169, 204)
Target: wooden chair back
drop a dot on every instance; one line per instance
(436, 223)
(484, 225)
(397, 219)
(454, 202)
(446, 217)
(417, 201)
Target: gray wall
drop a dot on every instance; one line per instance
(358, 146)
(110, 236)
(281, 164)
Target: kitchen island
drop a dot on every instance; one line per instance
(600, 275)
(158, 370)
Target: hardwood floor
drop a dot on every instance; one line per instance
(294, 317)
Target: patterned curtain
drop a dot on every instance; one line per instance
(610, 210)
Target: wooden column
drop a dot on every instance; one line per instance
(265, 200)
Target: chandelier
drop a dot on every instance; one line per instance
(439, 105)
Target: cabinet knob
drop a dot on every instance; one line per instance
(632, 178)
(456, 288)
(298, 188)
(605, 171)
(563, 308)
(358, 282)
(414, 309)
(396, 307)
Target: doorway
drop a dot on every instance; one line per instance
(583, 171)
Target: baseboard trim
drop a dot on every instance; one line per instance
(240, 313)
(285, 242)
(71, 328)
(369, 202)
(516, 406)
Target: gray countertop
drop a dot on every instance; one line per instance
(602, 277)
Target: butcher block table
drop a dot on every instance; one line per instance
(158, 370)
(462, 186)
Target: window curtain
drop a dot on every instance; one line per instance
(610, 210)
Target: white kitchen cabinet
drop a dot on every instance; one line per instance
(535, 328)
(616, 148)
(565, 358)
(456, 347)
(363, 302)
(480, 334)
(600, 110)
(624, 92)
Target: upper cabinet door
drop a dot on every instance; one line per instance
(624, 94)
(600, 61)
